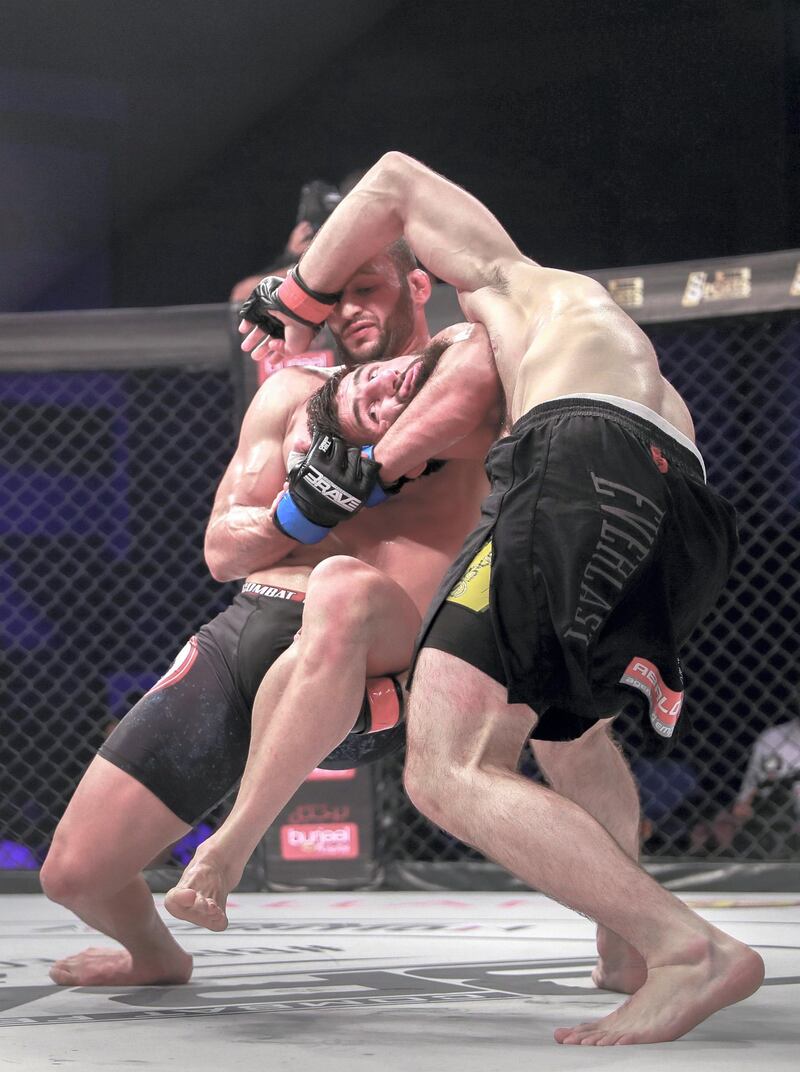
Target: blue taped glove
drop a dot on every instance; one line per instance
(292, 522)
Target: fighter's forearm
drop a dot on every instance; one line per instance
(416, 438)
(453, 234)
(460, 405)
(243, 540)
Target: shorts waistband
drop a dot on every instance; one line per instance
(271, 591)
(644, 423)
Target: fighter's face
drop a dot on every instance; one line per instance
(372, 396)
(375, 316)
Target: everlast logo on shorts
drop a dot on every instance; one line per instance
(627, 532)
(319, 482)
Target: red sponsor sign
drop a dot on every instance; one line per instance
(319, 841)
(307, 812)
(320, 775)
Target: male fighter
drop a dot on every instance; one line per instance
(183, 746)
(599, 550)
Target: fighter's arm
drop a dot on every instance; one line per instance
(241, 536)
(451, 232)
(456, 414)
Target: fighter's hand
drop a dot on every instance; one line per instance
(380, 491)
(331, 484)
(271, 333)
(282, 311)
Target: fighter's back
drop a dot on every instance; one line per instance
(557, 333)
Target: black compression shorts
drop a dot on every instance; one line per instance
(599, 550)
(187, 739)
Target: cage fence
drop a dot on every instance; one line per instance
(107, 476)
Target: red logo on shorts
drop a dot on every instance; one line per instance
(182, 664)
(664, 703)
(661, 462)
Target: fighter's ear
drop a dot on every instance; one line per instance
(420, 285)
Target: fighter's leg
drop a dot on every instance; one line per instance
(463, 746)
(592, 772)
(357, 622)
(112, 828)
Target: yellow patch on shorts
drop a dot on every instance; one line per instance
(472, 591)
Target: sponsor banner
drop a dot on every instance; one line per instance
(689, 290)
(325, 836)
(682, 290)
(319, 841)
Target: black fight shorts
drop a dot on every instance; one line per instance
(600, 548)
(187, 739)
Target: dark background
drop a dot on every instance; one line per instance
(152, 153)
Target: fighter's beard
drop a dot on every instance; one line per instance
(429, 359)
(391, 342)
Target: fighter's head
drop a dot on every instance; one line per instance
(360, 404)
(382, 310)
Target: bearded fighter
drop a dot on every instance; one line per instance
(183, 747)
(600, 548)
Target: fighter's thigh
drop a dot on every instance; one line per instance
(462, 715)
(365, 607)
(113, 826)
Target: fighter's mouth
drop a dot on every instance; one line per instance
(359, 327)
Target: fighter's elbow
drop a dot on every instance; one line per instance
(393, 176)
(218, 563)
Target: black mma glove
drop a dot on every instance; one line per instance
(329, 485)
(381, 492)
(290, 297)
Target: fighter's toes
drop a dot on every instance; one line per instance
(61, 975)
(186, 904)
(574, 1036)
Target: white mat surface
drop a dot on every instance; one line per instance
(408, 981)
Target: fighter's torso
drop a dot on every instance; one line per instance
(413, 537)
(557, 333)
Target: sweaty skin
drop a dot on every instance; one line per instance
(552, 333)
(412, 539)
(96, 860)
(409, 542)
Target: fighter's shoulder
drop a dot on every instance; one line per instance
(290, 387)
(457, 333)
(523, 275)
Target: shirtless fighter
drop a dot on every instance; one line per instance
(183, 746)
(599, 550)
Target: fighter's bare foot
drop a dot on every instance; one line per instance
(116, 967)
(676, 997)
(619, 966)
(201, 895)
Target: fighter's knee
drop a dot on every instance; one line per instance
(344, 590)
(63, 877)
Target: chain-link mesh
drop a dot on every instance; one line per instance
(740, 379)
(106, 482)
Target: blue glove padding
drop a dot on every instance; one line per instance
(289, 520)
(330, 483)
